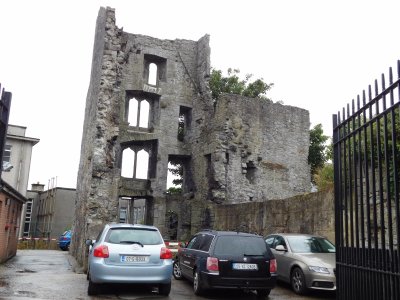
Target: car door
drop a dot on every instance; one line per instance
(283, 258)
(188, 256)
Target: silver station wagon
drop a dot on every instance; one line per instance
(126, 253)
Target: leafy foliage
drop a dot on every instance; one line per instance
(176, 170)
(324, 177)
(174, 190)
(317, 155)
(232, 84)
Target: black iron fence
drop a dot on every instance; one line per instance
(366, 138)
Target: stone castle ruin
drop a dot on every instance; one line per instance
(149, 99)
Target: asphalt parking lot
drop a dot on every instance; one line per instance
(50, 274)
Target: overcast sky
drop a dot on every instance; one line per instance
(319, 54)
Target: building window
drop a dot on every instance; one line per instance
(152, 74)
(7, 153)
(138, 113)
(142, 164)
(28, 217)
(184, 120)
(122, 215)
(155, 69)
(135, 164)
(128, 163)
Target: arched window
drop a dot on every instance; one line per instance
(138, 113)
(133, 112)
(128, 163)
(142, 164)
(152, 74)
(144, 114)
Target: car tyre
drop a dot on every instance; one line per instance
(176, 271)
(197, 284)
(164, 289)
(93, 288)
(298, 281)
(261, 294)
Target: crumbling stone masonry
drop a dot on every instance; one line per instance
(238, 150)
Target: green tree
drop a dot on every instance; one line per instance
(317, 155)
(232, 84)
(324, 177)
(176, 169)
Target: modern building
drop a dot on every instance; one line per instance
(17, 161)
(48, 213)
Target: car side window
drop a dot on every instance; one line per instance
(279, 241)
(197, 243)
(99, 235)
(206, 242)
(191, 242)
(270, 241)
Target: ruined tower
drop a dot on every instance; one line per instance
(149, 100)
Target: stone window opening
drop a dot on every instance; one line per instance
(152, 74)
(251, 172)
(179, 177)
(135, 164)
(138, 113)
(154, 69)
(184, 121)
(171, 222)
(132, 210)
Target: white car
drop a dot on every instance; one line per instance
(126, 253)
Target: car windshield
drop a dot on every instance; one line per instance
(231, 245)
(134, 235)
(305, 244)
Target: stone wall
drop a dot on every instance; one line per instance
(260, 150)
(307, 213)
(97, 185)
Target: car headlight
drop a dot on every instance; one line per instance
(319, 269)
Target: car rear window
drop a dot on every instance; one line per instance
(234, 245)
(132, 235)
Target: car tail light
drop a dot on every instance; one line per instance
(212, 264)
(165, 253)
(273, 266)
(101, 251)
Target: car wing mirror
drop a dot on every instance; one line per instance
(89, 242)
(182, 245)
(280, 248)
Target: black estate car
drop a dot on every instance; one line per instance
(227, 260)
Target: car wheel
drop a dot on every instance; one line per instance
(164, 289)
(263, 293)
(298, 281)
(93, 288)
(177, 271)
(197, 284)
